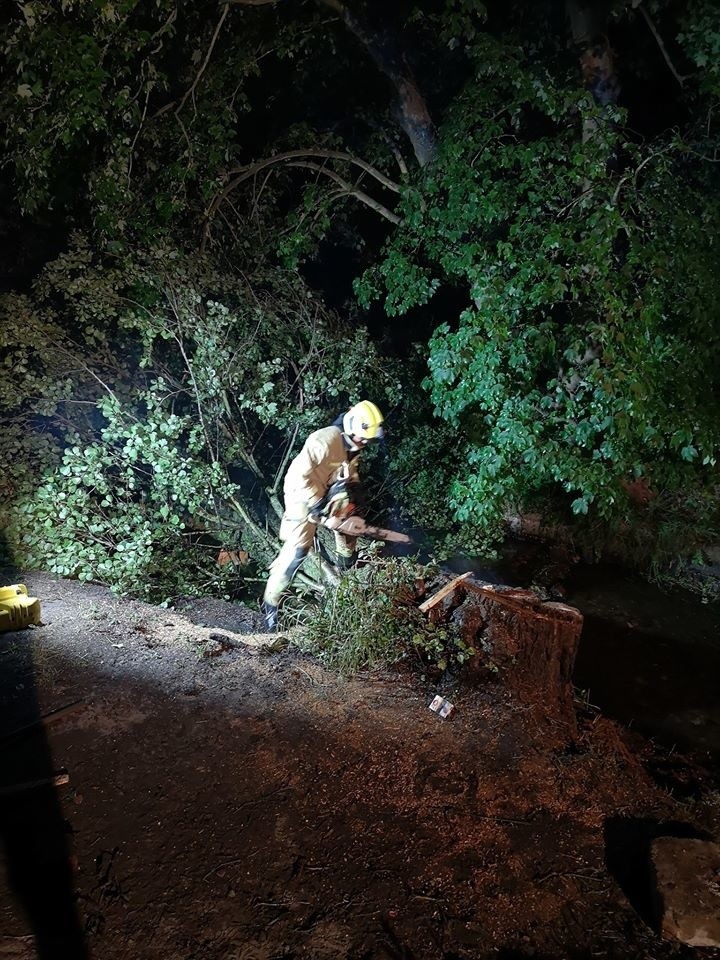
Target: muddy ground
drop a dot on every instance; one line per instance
(228, 804)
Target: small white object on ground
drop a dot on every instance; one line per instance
(442, 707)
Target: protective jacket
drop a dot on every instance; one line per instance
(327, 456)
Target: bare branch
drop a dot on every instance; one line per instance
(191, 90)
(164, 109)
(164, 28)
(245, 173)
(137, 133)
(350, 190)
(659, 41)
(633, 174)
(702, 156)
(252, 168)
(398, 157)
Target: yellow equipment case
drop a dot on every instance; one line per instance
(17, 609)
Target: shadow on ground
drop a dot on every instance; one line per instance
(36, 837)
(628, 843)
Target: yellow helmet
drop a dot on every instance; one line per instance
(364, 420)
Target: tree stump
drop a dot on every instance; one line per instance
(530, 643)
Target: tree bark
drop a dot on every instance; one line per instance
(412, 112)
(530, 644)
(588, 25)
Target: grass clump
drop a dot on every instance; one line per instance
(372, 618)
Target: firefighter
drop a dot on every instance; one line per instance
(329, 455)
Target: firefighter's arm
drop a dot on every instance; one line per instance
(306, 487)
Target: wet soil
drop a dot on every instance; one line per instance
(225, 802)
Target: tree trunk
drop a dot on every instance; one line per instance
(412, 112)
(588, 25)
(530, 644)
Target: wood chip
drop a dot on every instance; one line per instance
(443, 592)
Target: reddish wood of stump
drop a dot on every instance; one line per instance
(530, 642)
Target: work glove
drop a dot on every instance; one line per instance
(316, 511)
(338, 504)
(356, 493)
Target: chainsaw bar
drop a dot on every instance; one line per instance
(356, 527)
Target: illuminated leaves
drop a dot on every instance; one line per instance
(591, 321)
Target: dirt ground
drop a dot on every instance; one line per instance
(229, 804)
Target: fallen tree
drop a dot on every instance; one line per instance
(152, 406)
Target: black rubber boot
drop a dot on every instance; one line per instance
(270, 614)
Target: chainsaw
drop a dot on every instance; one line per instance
(338, 512)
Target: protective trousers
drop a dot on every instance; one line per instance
(297, 532)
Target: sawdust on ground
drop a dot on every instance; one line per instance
(226, 802)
